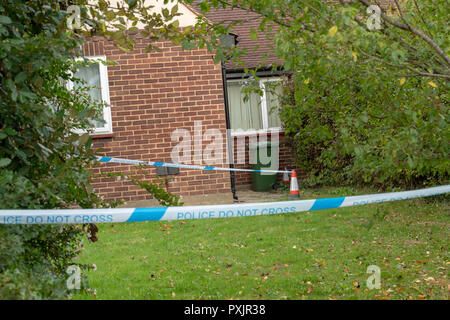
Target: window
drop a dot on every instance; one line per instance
(96, 77)
(257, 113)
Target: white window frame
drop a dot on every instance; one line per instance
(264, 111)
(104, 86)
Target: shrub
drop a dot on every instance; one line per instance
(42, 159)
(351, 125)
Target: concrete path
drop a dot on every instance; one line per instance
(244, 194)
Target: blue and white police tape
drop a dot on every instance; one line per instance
(60, 216)
(177, 165)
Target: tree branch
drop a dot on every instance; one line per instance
(424, 74)
(417, 32)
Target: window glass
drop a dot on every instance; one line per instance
(91, 75)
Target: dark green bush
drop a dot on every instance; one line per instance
(353, 126)
(368, 106)
(42, 160)
(43, 157)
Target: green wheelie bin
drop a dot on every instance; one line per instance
(262, 181)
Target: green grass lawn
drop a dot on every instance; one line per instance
(314, 255)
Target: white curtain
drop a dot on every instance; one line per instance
(91, 74)
(273, 91)
(244, 115)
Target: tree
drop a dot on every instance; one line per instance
(43, 158)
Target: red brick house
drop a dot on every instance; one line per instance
(150, 95)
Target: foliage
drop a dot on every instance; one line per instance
(366, 107)
(363, 105)
(122, 21)
(34, 259)
(42, 159)
(45, 147)
(352, 126)
(157, 187)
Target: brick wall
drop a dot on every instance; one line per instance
(152, 94)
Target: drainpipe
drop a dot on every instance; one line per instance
(228, 123)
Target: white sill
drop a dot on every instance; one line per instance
(256, 132)
(104, 131)
(96, 132)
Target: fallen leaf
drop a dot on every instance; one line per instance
(332, 31)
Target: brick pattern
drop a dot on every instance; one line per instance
(153, 94)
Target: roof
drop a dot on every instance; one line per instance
(256, 49)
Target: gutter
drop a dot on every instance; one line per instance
(228, 124)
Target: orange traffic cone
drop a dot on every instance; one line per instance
(286, 175)
(294, 193)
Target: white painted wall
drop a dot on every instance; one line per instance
(188, 17)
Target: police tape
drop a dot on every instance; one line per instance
(184, 166)
(76, 216)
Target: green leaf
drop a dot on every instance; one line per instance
(5, 20)
(410, 162)
(4, 162)
(132, 3)
(83, 139)
(332, 31)
(253, 34)
(10, 131)
(174, 9)
(20, 77)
